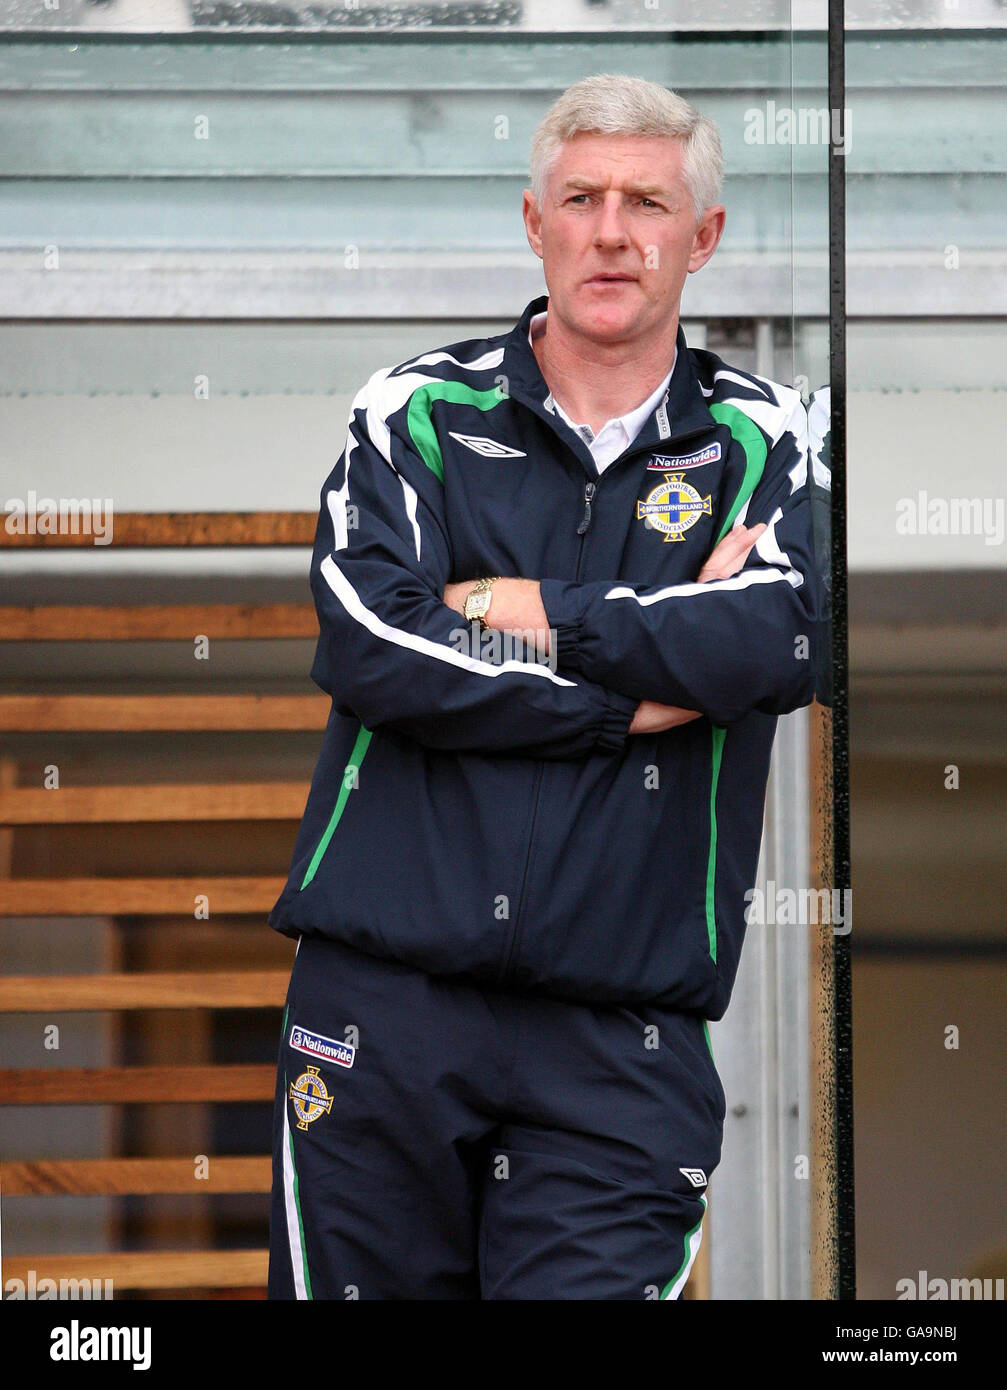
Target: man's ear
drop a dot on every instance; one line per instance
(532, 221)
(708, 234)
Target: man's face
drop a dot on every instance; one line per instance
(617, 235)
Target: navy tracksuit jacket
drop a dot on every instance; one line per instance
(487, 852)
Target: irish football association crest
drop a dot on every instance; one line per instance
(310, 1097)
(673, 506)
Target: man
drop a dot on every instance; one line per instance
(519, 882)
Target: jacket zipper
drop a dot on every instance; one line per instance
(590, 490)
(516, 933)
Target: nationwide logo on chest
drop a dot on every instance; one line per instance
(673, 507)
(662, 462)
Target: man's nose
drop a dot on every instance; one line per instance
(610, 228)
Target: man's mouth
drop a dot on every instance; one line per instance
(614, 277)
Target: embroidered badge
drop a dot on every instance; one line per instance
(321, 1048)
(673, 507)
(662, 462)
(310, 1097)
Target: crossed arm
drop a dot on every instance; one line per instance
(517, 606)
(625, 657)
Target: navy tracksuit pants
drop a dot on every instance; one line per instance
(436, 1140)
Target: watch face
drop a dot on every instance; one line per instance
(476, 605)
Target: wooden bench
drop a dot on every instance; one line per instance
(25, 809)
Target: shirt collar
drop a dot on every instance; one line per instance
(632, 422)
(686, 412)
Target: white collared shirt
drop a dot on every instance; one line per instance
(615, 436)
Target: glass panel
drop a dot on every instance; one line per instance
(927, 421)
(218, 224)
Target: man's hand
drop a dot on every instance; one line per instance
(729, 556)
(517, 605)
(652, 718)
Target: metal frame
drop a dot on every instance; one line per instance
(845, 1229)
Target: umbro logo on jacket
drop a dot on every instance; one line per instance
(489, 448)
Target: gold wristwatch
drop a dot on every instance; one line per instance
(477, 600)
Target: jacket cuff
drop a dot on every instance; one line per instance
(564, 604)
(615, 721)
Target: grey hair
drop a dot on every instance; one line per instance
(614, 104)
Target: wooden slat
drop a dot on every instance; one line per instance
(116, 897)
(129, 1176)
(121, 1085)
(141, 529)
(127, 713)
(183, 1039)
(8, 779)
(166, 802)
(149, 1269)
(234, 989)
(181, 941)
(168, 622)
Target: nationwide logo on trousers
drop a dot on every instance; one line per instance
(321, 1048)
(660, 463)
(489, 448)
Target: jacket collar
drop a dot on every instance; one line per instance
(684, 413)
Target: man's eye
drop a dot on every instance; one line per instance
(649, 202)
